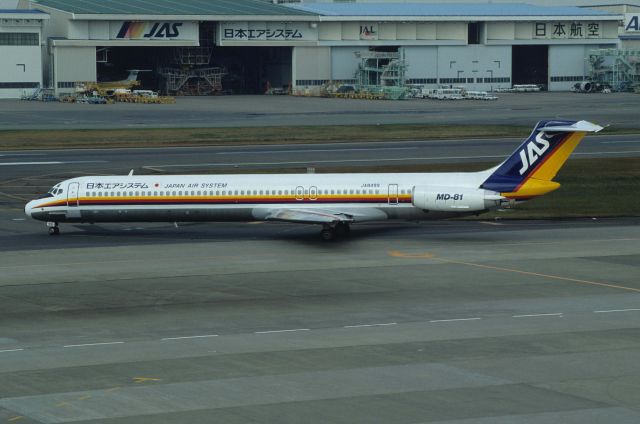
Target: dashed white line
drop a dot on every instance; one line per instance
(616, 310)
(92, 344)
(204, 336)
(282, 331)
(557, 314)
(11, 350)
(371, 325)
(455, 319)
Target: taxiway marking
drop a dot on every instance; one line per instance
(556, 314)
(455, 319)
(616, 310)
(386, 324)
(204, 336)
(258, 152)
(398, 254)
(92, 344)
(282, 331)
(50, 162)
(11, 350)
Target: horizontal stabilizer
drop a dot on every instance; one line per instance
(583, 126)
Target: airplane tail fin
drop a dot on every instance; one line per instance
(529, 171)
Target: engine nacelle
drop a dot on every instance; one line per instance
(454, 199)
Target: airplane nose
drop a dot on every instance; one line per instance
(28, 208)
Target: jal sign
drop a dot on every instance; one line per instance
(276, 32)
(153, 30)
(632, 22)
(369, 31)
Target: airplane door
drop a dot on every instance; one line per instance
(299, 193)
(313, 193)
(72, 194)
(393, 194)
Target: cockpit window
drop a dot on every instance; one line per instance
(53, 191)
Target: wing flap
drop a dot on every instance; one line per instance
(307, 216)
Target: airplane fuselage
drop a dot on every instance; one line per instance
(240, 197)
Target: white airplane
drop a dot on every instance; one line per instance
(333, 201)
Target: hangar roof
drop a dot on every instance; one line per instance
(170, 7)
(444, 9)
(23, 14)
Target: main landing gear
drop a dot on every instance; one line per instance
(54, 230)
(339, 230)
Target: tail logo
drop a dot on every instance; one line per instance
(532, 152)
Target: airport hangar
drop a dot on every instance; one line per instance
(305, 45)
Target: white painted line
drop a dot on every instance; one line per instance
(92, 344)
(258, 152)
(30, 163)
(616, 310)
(371, 325)
(18, 219)
(606, 153)
(455, 319)
(491, 223)
(189, 337)
(621, 141)
(558, 314)
(50, 163)
(282, 331)
(188, 165)
(11, 350)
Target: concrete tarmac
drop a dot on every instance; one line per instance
(444, 322)
(618, 109)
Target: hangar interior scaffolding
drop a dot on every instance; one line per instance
(382, 73)
(190, 81)
(619, 68)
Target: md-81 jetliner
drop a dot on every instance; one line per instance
(333, 201)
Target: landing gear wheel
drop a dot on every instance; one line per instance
(327, 234)
(54, 230)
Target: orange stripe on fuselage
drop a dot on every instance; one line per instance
(224, 199)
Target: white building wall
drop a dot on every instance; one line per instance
(477, 62)
(566, 66)
(21, 65)
(344, 62)
(311, 63)
(422, 63)
(73, 64)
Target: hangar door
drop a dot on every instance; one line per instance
(530, 65)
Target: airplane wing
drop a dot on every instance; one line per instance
(319, 216)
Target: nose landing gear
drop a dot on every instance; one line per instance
(54, 230)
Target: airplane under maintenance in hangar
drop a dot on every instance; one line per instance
(333, 201)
